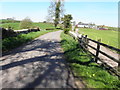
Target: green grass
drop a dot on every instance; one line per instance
(44, 25)
(107, 36)
(13, 42)
(8, 21)
(15, 26)
(94, 75)
(113, 28)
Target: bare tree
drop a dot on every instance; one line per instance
(55, 11)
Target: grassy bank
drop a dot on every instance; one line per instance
(92, 74)
(13, 42)
(107, 36)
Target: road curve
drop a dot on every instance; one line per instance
(38, 64)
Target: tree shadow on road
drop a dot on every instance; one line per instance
(33, 45)
(48, 70)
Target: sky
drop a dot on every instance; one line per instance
(100, 12)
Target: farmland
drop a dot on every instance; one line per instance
(107, 36)
(15, 26)
(44, 25)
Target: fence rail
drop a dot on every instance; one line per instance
(84, 43)
(105, 45)
(98, 48)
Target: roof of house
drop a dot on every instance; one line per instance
(83, 24)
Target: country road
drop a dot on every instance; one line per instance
(38, 64)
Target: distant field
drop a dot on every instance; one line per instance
(15, 26)
(107, 36)
(43, 25)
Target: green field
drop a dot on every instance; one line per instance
(15, 26)
(93, 75)
(44, 25)
(107, 36)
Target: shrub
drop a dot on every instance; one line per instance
(61, 26)
(13, 42)
(66, 30)
(7, 33)
(66, 20)
(25, 23)
(44, 22)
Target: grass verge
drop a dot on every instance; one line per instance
(13, 42)
(93, 74)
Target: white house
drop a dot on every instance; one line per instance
(83, 25)
(86, 25)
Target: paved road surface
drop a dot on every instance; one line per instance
(39, 64)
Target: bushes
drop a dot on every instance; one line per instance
(66, 30)
(7, 33)
(25, 23)
(49, 28)
(66, 22)
(13, 42)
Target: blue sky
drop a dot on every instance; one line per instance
(101, 13)
(95, 12)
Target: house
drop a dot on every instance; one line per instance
(85, 25)
(82, 25)
(102, 27)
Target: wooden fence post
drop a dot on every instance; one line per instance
(119, 66)
(86, 41)
(97, 51)
(81, 44)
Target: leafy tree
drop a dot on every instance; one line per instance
(55, 11)
(66, 21)
(80, 23)
(26, 23)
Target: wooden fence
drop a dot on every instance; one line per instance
(84, 43)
